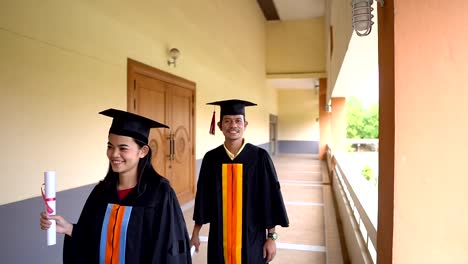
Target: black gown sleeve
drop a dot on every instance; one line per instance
(172, 243)
(202, 212)
(81, 246)
(273, 204)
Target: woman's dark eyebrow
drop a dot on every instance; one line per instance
(121, 145)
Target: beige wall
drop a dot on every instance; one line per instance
(297, 113)
(339, 18)
(63, 61)
(296, 47)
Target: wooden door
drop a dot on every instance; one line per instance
(150, 101)
(170, 100)
(180, 168)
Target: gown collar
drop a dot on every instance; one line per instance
(231, 155)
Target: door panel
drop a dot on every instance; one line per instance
(151, 95)
(168, 99)
(181, 168)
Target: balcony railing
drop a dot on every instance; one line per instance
(358, 224)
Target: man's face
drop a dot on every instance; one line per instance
(233, 126)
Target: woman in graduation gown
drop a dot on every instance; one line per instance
(132, 215)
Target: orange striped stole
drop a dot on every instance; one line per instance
(232, 213)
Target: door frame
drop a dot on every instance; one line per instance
(273, 134)
(135, 67)
(143, 69)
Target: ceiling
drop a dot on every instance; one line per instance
(293, 83)
(282, 10)
(291, 9)
(359, 72)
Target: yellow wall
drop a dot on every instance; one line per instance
(297, 113)
(296, 47)
(64, 61)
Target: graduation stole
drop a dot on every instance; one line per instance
(114, 234)
(232, 213)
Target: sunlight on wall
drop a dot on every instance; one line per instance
(63, 62)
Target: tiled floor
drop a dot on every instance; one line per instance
(312, 236)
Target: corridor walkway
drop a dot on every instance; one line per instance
(312, 236)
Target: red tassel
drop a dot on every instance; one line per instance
(213, 124)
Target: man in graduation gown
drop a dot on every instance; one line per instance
(238, 194)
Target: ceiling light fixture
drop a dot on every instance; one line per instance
(362, 16)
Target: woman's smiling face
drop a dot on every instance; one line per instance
(124, 154)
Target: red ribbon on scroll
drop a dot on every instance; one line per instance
(48, 208)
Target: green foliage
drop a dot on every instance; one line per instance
(362, 123)
(367, 173)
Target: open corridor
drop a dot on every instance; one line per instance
(312, 237)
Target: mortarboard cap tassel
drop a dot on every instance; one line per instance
(213, 124)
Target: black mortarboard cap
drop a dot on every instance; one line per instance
(232, 107)
(130, 125)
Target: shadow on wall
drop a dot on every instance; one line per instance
(24, 241)
(298, 147)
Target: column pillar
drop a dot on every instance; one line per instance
(324, 119)
(338, 124)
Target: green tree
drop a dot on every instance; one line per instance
(361, 122)
(367, 173)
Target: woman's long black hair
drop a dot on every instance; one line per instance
(145, 171)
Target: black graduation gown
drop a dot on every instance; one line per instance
(155, 229)
(263, 205)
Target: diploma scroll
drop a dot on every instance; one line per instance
(49, 199)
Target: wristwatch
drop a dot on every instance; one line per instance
(272, 236)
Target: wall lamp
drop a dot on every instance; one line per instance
(173, 56)
(362, 16)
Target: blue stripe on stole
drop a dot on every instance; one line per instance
(102, 246)
(123, 234)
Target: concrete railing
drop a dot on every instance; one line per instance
(359, 232)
